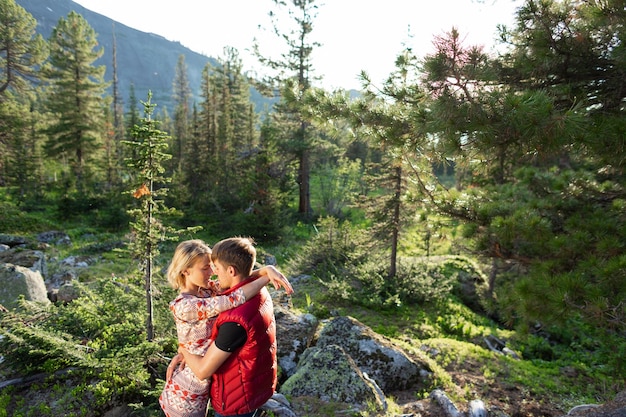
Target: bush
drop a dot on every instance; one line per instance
(341, 256)
(332, 250)
(93, 348)
(16, 221)
(414, 283)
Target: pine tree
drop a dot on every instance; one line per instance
(149, 149)
(181, 93)
(20, 125)
(201, 168)
(539, 137)
(237, 133)
(117, 105)
(132, 116)
(226, 141)
(75, 95)
(390, 118)
(22, 50)
(21, 54)
(296, 67)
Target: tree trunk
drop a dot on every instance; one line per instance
(304, 184)
(150, 318)
(395, 222)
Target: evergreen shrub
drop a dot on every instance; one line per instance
(343, 258)
(96, 345)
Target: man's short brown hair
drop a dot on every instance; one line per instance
(238, 252)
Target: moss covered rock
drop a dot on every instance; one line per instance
(387, 364)
(329, 374)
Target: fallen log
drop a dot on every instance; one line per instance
(31, 379)
(445, 403)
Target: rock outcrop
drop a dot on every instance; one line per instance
(34, 260)
(330, 374)
(295, 334)
(344, 361)
(17, 281)
(388, 365)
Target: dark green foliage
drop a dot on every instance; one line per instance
(75, 96)
(15, 220)
(232, 175)
(21, 149)
(266, 224)
(181, 94)
(105, 211)
(22, 54)
(334, 247)
(22, 50)
(571, 238)
(44, 351)
(340, 256)
(95, 344)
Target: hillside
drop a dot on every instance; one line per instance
(146, 60)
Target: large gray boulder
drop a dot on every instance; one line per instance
(16, 281)
(330, 374)
(388, 365)
(294, 335)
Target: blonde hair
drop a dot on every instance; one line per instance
(238, 252)
(187, 253)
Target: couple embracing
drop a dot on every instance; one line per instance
(226, 331)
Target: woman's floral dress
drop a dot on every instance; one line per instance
(184, 395)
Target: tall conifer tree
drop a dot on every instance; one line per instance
(118, 113)
(21, 54)
(148, 147)
(295, 67)
(201, 169)
(539, 135)
(22, 50)
(226, 136)
(75, 94)
(181, 93)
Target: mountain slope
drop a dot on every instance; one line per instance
(144, 59)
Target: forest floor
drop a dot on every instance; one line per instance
(500, 401)
(500, 396)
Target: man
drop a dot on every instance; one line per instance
(241, 361)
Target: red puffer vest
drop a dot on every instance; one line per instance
(248, 377)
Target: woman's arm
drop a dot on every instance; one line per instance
(177, 360)
(191, 309)
(252, 288)
(274, 276)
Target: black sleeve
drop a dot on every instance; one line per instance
(230, 336)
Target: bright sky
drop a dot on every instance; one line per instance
(355, 34)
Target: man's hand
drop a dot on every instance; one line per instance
(177, 360)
